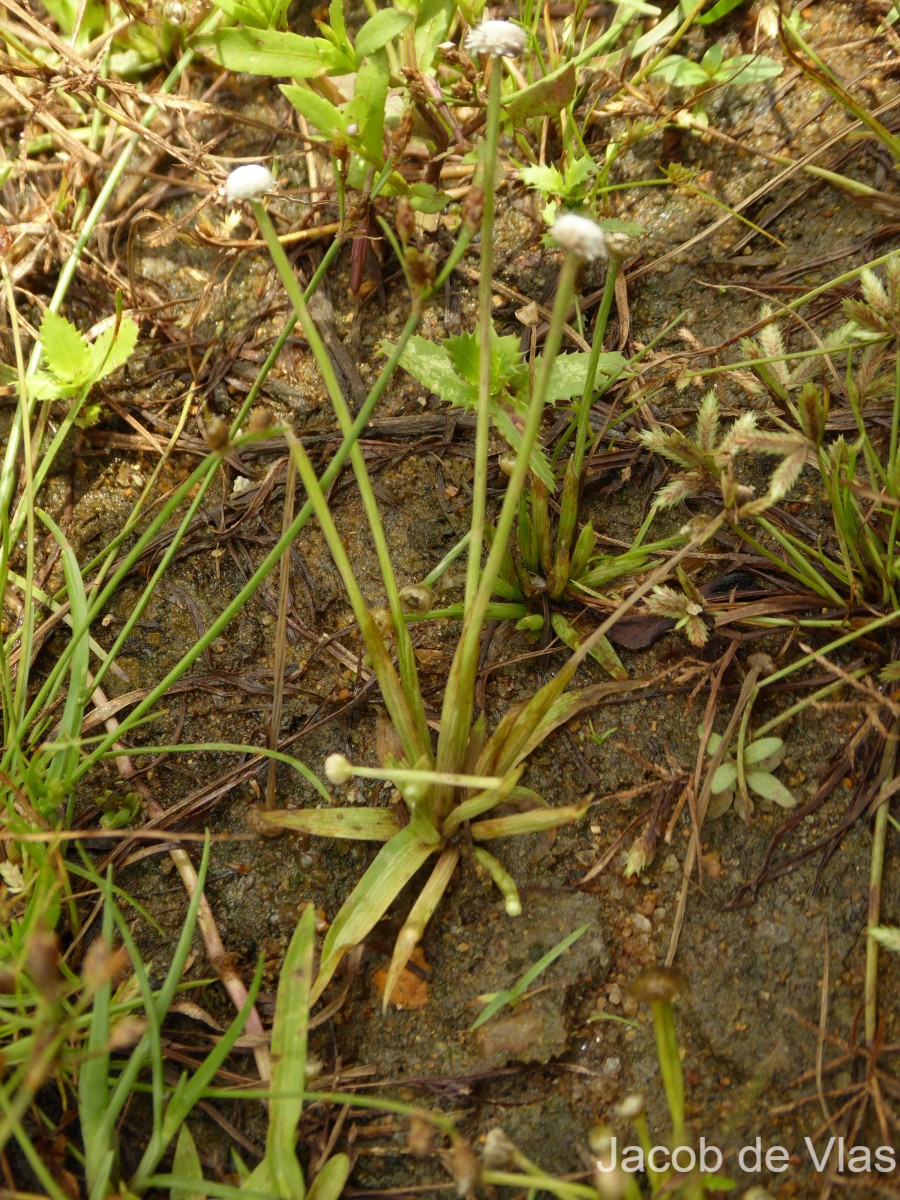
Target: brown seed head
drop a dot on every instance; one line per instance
(658, 985)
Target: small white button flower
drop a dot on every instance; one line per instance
(338, 768)
(581, 235)
(503, 39)
(248, 183)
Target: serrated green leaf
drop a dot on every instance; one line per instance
(65, 349)
(548, 180)
(113, 348)
(273, 53)
(380, 29)
(770, 788)
(430, 363)
(464, 353)
(321, 113)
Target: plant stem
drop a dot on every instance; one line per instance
(487, 176)
(587, 397)
(408, 672)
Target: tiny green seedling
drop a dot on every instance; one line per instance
(514, 995)
(568, 188)
(732, 780)
(714, 68)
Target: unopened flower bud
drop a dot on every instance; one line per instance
(499, 1153)
(250, 182)
(579, 235)
(338, 768)
(502, 39)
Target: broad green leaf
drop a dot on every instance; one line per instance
(724, 778)
(329, 1183)
(271, 52)
(546, 98)
(761, 749)
(770, 788)
(187, 1167)
(430, 363)
(380, 29)
(570, 371)
(712, 59)
(66, 351)
(749, 68)
(359, 824)
(113, 348)
(247, 14)
(432, 26)
(681, 71)
(390, 872)
(321, 113)
(368, 105)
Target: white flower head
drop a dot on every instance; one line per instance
(338, 768)
(503, 39)
(248, 183)
(581, 235)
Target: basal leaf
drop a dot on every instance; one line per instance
(393, 867)
(724, 777)
(380, 29)
(759, 750)
(66, 351)
(546, 179)
(329, 1183)
(321, 113)
(358, 824)
(547, 97)
(186, 1166)
(464, 353)
(570, 371)
(749, 68)
(770, 788)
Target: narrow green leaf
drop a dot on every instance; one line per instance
(380, 29)
(393, 867)
(321, 113)
(721, 9)
(358, 824)
(537, 821)
(187, 1167)
(329, 1183)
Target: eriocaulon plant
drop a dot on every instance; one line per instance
(468, 773)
